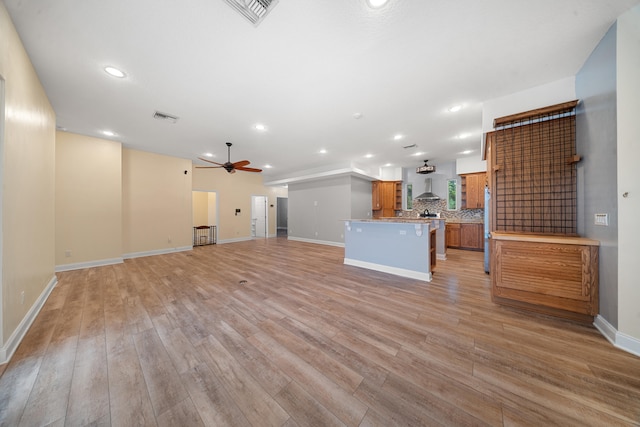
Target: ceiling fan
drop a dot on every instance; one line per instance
(230, 167)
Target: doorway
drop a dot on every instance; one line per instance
(205, 214)
(282, 212)
(259, 219)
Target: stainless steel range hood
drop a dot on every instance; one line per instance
(428, 195)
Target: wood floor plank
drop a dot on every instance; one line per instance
(50, 394)
(304, 408)
(163, 382)
(214, 404)
(182, 414)
(260, 408)
(89, 394)
(128, 394)
(279, 332)
(337, 400)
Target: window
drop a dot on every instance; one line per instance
(409, 197)
(452, 194)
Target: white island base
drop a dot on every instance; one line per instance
(400, 248)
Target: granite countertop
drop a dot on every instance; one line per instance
(421, 219)
(398, 219)
(479, 220)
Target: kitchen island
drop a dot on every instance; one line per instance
(401, 246)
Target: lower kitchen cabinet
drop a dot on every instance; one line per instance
(465, 236)
(452, 235)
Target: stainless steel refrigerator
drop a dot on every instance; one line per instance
(487, 234)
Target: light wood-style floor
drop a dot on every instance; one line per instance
(281, 333)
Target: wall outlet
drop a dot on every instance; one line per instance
(22, 297)
(601, 219)
(67, 253)
(169, 239)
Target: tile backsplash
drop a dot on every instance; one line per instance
(440, 206)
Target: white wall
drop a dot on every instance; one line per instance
(530, 99)
(628, 92)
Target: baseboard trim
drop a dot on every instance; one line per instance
(157, 252)
(318, 242)
(387, 269)
(618, 339)
(441, 257)
(6, 352)
(89, 264)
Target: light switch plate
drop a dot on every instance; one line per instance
(601, 219)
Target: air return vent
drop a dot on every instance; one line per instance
(253, 10)
(165, 117)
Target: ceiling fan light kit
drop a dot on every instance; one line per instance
(230, 167)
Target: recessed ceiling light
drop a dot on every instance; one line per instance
(357, 116)
(388, 164)
(467, 152)
(376, 4)
(419, 153)
(113, 71)
(208, 154)
(260, 127)
(268, 166)
(368, 156)
(108, 133)
(398, 137)
(322, 151)
(455, 108)
(464, 135)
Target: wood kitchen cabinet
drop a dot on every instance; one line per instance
(471, 236)
(472, 190)
(465, 236)
(452, 235)
(386, 198)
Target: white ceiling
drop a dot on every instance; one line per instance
(304, 72)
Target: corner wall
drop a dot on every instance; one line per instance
(156, 203)
(596, 143)
(88, 201)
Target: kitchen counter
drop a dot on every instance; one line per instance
(400, 247)
(436, 223)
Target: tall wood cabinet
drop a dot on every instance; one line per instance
(472, 190)
(386, 198)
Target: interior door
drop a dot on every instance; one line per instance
(259, 216)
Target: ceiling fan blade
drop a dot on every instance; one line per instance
(208, 167)
(248, 169)
(210, 161)
(241, 163)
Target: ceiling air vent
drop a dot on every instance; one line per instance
(165, 117)
(253, 10)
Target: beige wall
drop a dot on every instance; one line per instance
(27, 151)
(200, 208)
(88, 200)
(156, 203)
(234, 191)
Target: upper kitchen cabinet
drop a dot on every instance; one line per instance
(472, 190)
(386, 198)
